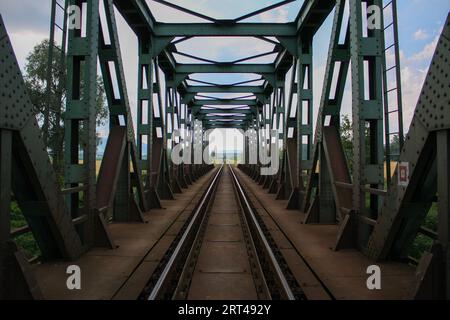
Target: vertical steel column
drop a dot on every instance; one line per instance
(124, 206)
(304, 127)
(188, 145)
(192, 134)
(326, 205)
(280, 125)
(270, 119)
(163, 176)
(80, 119)
(367, 103)
(265, 135)
(255, 148)
(318, 200)
(168, 142)
(247, 141)
(181, 172)
(288, 179)
(305, 96)
(259, 123)
(146, 127)
(174, 112)
(277, 113)
(145, 99)
(185, 136)
(292, 143)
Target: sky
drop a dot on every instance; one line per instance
(420, 23)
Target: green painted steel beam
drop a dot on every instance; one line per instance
(137, 15)
(224, 102)
(82, 49)
(226, 123)
(313, 14)
(225, 89)
(328, 107)
(226, 111)
(225, 68)
(225, 127)
(212, 127)
(225, 29)
(230, 117)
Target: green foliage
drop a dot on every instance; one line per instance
(346, 132)
(395, 147)
(420, 245)
(36, 83)
(25, 241)
(17, 219)
(423, 243)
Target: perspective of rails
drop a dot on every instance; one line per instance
(242, 157)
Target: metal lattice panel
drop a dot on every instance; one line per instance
(16, 108)
(35, 185)
(432, 108)
(401, 214)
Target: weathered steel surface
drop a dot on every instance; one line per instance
(337, 164)
(34, 184)
(111, 164)
(122, 273)
(342, 273)
(405, 207)
(133, 177)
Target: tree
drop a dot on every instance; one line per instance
(36, 82)
(395, 147)
(346, 131)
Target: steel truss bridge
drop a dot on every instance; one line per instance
(308, 232)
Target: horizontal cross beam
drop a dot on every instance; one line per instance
(224, 102)
(225, 89)
(137, 14)
(225, 111)
(225, 68)
(313, 13)
(230, 123)
(225, 29)
(230, 117)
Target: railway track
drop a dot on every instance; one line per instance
(224, 252)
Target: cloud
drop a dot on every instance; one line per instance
(279, 15)
(413, 73)
(412, 83)
(23, 42)
(420, 35)
(27, 23)
(224, 48)
(26, 15)
(427, 52)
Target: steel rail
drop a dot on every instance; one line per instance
(287, 291)
(171, 264)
